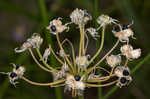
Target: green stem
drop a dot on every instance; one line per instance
(96, 8)
(81, 97)
(99, 89)
(110, 92)
(58, 92)
(41, 58)
(4, 87)
(96, 13)
(132, 72)
(101, 46)
(49, 39)
(81, 40)
(43, 12)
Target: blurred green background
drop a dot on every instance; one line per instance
(20, 18)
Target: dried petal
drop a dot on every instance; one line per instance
(113, 60)
(79, 16)
(56, 26)
(104, 20)
(93, 32)
(46, 54)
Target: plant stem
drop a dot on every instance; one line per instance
(81, 97)
(4, 87)
(103, 58)
(37, 62)
(81, 40)
(41, 58)
(42, 84)
(96, 13)
(132, 72)
(101, 46)
(48, 38)
(65, 57)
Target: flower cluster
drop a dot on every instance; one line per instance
(78, 71)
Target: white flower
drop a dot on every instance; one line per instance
(23, 48)
(34, 42)
(65, 67)
(113, 60)
(129, 52)
(56, 26)
(46, 54)
(93, 32)
(136, 53)
(87, 17)
(61, 73)
(79, 16)
(126, 50)
(104, 20)
(124, 81)
(62, 53)
(122, 71)
(58, 75)
(17, 73)
(122, 32)
(80, 85)
(82, 61)
(74, 83)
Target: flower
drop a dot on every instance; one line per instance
(104, 20)
(113, 60)
(74, 83)
(93, 32)
(123, 81)
(121, 71)
(17, 73)
(62, 53)
(79, 16)
(34, 42)
(56, 26)
(123, 32)
(128, 51)
(136, 53)
(61, 73)
(82, 61)
(46, 54)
